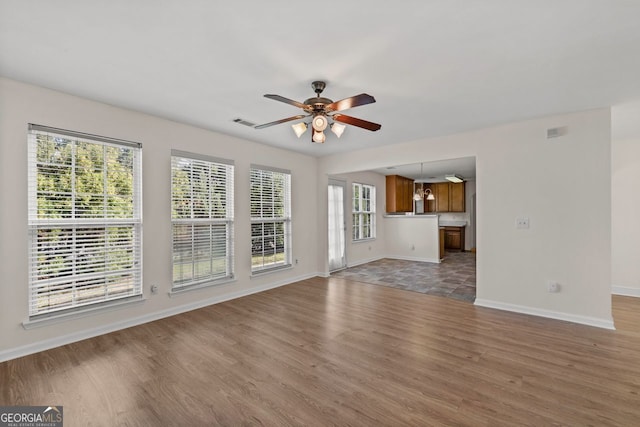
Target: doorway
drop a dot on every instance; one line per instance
(337, 225)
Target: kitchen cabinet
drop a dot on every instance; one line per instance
(429, 205)
(449, 197)
(454, 238)
(399, 194)
(442, 196)
(456, 197)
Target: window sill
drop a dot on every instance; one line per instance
(80, 312)
(371, 239)
(205, 285)
(270, 270)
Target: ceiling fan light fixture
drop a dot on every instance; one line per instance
(338, 128)
(299, 129)
(320, 123)
(321, 109)
(454, 178)
(318, 136)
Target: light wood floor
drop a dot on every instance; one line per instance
(331, 352)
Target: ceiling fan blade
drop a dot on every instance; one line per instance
(354, 101)
(288, 101)
(356, 122)
(277, 122)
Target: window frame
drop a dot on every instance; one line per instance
(359, 212)
(210, 219)
(78, 238)
(266, 221)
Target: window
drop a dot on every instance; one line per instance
(270, 218)
(85, 221)
(364, 212)
(202, 219)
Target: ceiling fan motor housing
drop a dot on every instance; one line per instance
(318, 103)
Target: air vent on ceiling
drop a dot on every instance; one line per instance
(244, 122)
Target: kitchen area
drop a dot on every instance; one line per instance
(439, 207)
(425, 222)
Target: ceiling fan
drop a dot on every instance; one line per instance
(324, 112)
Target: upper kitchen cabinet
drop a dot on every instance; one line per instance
(449, 197)
(399, 191)
(442, 196)
(456, 197)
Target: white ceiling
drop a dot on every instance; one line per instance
(435, 67)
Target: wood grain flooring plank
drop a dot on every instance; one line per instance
(334, 351)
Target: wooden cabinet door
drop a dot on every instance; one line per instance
(409, 194)
(456, 197)
(430, 205)
(442, 196)
(391, 193)
(452, 238)
(399, 194)
(402, 193)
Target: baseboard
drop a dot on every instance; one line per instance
(584, 320)
(411, 258)
(47, 344)
(363, 261)
(627, 292)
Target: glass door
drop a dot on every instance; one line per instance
(337, 225)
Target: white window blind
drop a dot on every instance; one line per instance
(364, 211)
(85, 220)
(270, 218)
(202, 219)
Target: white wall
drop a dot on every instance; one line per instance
(519, 173)
(625, 199)
(367, 250)
(21, 104)
(413, 237)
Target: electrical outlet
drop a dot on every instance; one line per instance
(296, 261)
(154, 289)
(553, 287)
(522, 223)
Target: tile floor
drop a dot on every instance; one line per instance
(454, 277)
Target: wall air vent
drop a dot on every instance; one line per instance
(244, 122)
(556, 132)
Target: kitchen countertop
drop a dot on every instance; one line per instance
(410, 215)
(452, 223)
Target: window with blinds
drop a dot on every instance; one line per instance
(364, 212)
(270, 218)
(202, 219)
(84, 220)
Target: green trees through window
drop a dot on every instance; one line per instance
(270, 205)
(84, 221)
(202, 219)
